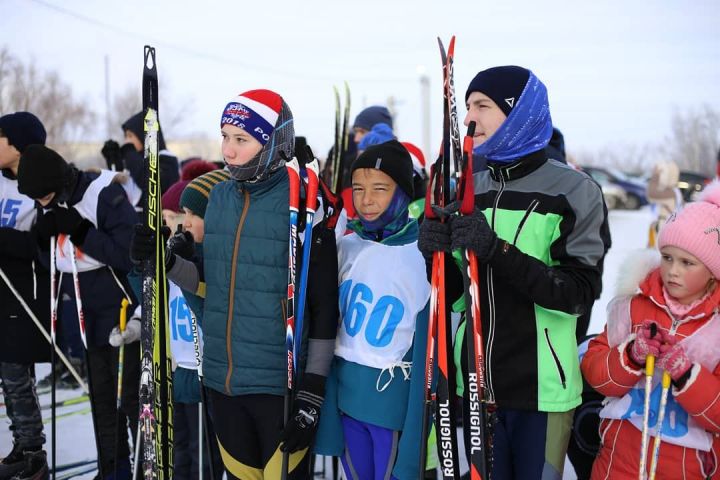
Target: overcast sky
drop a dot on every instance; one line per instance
(615, 69)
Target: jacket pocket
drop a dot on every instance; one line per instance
(558, 365)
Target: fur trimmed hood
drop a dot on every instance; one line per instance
(634, 269)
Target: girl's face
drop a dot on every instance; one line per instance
(684, 276)
(238, 146)
(486, 114)
(194, 224)
(372, 191)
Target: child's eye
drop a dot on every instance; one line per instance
(666, 258)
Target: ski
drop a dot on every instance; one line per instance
(156, 376)
(76, 473)
(293, 170)
(337, 155)
(82, 411)
(440, 325)
(71, 465)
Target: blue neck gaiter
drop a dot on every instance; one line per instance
(527, 129)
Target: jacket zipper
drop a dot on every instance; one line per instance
(531, 208)
(231, 300)
(560, 370)
(491, 305)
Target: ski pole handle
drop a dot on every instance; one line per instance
(123, 314)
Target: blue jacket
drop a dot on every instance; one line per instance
(245, 254)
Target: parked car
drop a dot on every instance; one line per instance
(615, 197)
(635, 190)
(691, 183)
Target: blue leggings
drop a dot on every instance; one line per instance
(370, 451)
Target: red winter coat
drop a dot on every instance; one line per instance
(610, 372)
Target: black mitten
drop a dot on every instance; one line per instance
(473, 232)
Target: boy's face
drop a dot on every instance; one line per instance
(238, 146)
(45, 201)
(9, 155)
(359, 133)
(372, 191)
(684, 276)
(130, 137)
(194, 224)
(172, 219)
(486, 114)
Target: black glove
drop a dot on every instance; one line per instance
(44, 228)
(305, 415)
(181, 244)
(433, 237)
(69, 221)
(142, 244)
(111, 152)
(473, 232)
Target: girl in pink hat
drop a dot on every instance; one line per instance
(674, 316)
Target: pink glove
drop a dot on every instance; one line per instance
(644, 344)
(673, 358)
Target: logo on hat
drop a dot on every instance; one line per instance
(237, 110)
(510, 101)
(713, 229)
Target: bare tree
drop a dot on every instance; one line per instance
(693, 143)
(66, 118)
(129, 101)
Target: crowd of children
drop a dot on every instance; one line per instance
(539, 232)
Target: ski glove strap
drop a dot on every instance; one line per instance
(301, 428)
(473, 232)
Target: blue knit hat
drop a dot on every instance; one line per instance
(22, 129)
(372, 115)
(379, 133)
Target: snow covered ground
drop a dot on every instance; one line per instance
(75, 440)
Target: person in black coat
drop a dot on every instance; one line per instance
(90, 215)
(21, 342)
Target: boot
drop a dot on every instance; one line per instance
(36, 467)
(12, 464)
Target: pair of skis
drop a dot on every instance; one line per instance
(156, 368)
(440, 204)
(342, 139)
(293, 322)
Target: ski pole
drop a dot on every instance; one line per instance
(121, 359)
(473, 332)
(204, 422)
(293, 170)
(53, 361)
(649, 372)
(311, 203)
(78, 298)
(661, 418)
(44, 332)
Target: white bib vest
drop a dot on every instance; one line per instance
(87, 208)
(182, 344)
(382, 289)
(17, 211)
(678, 427)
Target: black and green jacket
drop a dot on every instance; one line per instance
(551, 223)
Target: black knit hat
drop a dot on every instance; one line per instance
(22, 129)
(390, 158)
(373, 115)
(41, 171)
(503, 85)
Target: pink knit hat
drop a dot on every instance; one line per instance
(696, 229)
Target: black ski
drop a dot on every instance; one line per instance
(156, 370)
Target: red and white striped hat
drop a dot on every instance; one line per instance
(255, 111)
(417, 157)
